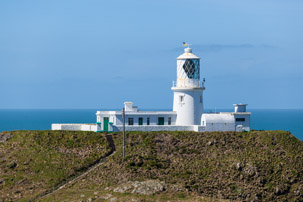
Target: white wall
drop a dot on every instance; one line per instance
(159, 128)
(56, 126)
(189, 111)
(219, 122)
(93, 127)
(246, 123)
(153, 118)
(220, 127)
(75, 127)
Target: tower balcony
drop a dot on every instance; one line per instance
(188, 83)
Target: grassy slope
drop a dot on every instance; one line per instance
(32, 162)
(259, 165)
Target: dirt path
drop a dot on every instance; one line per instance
(89, 170)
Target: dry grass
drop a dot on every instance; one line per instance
(259, 166)
(33, 162)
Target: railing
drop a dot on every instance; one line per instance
(189, 83)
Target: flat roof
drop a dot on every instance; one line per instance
(238, 113)
(138, 112)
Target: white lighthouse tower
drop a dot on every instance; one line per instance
(188, 89)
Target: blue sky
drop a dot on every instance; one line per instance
(98, 54)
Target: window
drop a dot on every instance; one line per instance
(192, 68)
(240, 119)
(140, 121)
(169, 120)
(160, 120)
(200, 98)
(181, 98)
(130, 121)
(147, 121)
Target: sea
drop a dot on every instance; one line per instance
(41, 119)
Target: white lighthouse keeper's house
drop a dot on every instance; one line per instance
(187, 114)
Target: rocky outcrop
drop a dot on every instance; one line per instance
(5, 136)
(146, 187)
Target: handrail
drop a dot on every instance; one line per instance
(188, 83)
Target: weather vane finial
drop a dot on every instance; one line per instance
(185, 44)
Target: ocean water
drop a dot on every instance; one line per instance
(41, 119)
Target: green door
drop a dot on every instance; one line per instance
(140, 121)
(160, 120)
(105, 124)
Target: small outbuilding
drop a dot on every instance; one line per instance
(218, 122)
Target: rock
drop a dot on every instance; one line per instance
(106, 197)
(124, 188)
(5, 136)
(280, 190)
(238, 166)
(223, 142)
(12, 165)
(176, 188)
(209, 143)
(17, 192)
(146, 187)
(89, 200)
(82, 195)
(20, 181)
(113, 199)
(262, 182)
(251, 170)
(293, 180)
(257, 174)
(297, 192)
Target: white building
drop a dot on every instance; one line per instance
(188, 112)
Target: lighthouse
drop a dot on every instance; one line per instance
(187, 114)
(188, 90)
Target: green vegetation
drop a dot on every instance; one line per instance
(33, 162)
(257, 165)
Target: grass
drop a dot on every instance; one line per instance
(272, 158)
(202, 165)
(35, 161)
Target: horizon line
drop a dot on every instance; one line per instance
(117, 109)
